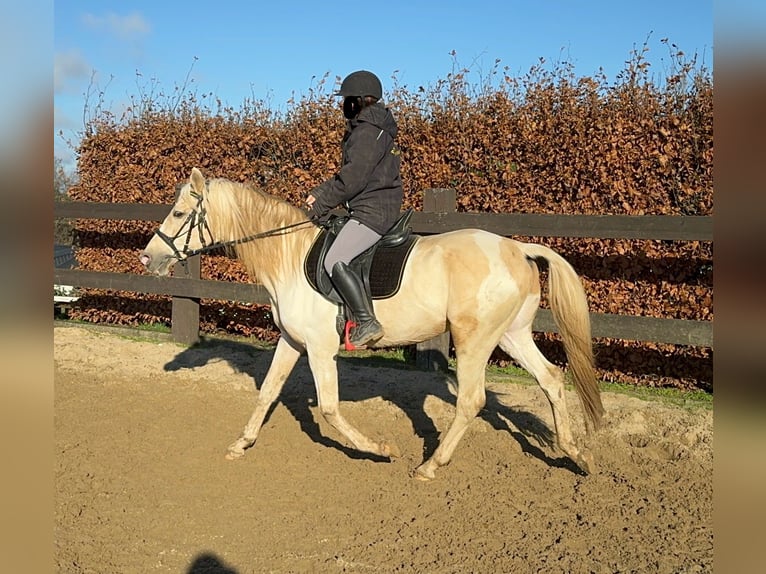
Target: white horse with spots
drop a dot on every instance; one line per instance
(483, 288)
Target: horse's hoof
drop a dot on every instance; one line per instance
(423, 475)
(586, 462)
(234, 455)
(390, 450)
(236, 450)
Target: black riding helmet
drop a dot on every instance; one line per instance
(355, 88)
(361, 83)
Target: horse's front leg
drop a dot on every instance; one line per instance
(325, 371)
(285, 357)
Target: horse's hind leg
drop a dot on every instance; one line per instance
(520, 345)
(285, 357)
(471, 398)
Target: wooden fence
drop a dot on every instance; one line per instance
(439, 215)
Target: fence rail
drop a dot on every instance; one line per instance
(668, 227)
(438, 216)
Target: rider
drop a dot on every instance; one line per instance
(369, 186)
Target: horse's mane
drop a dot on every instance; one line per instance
(239, 210)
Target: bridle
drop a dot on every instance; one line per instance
(197, 220)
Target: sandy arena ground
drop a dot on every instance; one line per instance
(141, 429)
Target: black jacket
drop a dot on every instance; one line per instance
(368, 183)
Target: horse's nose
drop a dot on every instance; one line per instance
(145, 258)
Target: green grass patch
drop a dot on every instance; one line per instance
(154, 328)
(665, 395)
(144, 333)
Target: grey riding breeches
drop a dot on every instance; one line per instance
(353, 239)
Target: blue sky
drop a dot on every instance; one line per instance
(267, 52)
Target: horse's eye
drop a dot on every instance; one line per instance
(178, 213)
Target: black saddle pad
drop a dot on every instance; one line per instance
(384, 275)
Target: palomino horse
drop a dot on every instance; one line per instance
(483, 288)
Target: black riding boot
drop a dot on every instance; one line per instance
(349, 285)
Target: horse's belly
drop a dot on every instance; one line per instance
(407, 322)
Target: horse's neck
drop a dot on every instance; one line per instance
(277, 261)
(271, 260)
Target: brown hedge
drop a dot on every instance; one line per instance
(547, 142)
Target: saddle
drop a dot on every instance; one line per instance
(380, 267)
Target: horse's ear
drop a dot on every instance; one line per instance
(197, 181)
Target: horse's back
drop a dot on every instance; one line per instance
(471, 250)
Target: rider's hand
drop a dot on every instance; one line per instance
(311, 210)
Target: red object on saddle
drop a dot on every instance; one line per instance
(349, 345)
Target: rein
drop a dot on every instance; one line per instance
(219, 244)
(201, 226)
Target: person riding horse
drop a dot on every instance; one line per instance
(369, 186)
(485, 289)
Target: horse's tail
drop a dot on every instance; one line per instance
(569, 306)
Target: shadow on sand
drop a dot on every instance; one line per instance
(408, 392)
(208, 563)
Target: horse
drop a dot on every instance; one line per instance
(483, 288)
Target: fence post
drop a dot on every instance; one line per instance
(433, 355)
(185, 312)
